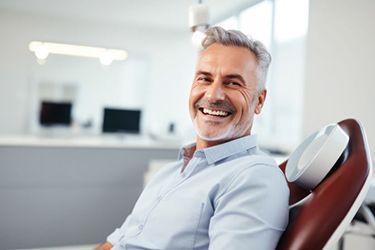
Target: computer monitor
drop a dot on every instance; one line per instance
(55, 113)
(121, 121)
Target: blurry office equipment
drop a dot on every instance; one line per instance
(362, 229)
(121, 121)
(319, 221)
(55, 113)
(52, 109)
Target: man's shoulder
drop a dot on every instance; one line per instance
(252, 160)
(254, 173)
(254, 166)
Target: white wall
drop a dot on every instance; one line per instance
(168, 56)
(340, 80)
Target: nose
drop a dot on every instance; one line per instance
(215, 92)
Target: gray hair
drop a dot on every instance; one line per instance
(239, 39)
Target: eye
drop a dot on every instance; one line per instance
(203, 79)
(233, 83)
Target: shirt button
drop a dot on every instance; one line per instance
(183, 175)
(140, 227)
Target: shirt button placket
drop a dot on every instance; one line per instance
(159, 198)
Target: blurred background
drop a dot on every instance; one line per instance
(78, 132)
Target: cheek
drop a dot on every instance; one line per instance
(193, 98)
(244, 101)
(249, 97)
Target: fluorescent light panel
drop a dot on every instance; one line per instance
(79, 50)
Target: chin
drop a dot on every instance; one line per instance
(224, 134)
(211, 138)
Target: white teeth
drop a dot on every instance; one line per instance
(217, 113)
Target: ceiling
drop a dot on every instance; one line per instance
(165, 14)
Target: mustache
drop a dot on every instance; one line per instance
(221, 105)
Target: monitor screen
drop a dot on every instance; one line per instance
(55, 113)
(121, 121)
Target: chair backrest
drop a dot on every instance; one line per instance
(320, 221)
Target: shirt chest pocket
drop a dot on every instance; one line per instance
(174, 221)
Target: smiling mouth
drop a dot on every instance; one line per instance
(218, 113)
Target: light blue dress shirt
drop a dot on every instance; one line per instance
(229, 196)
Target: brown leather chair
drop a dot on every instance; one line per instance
(320, 221)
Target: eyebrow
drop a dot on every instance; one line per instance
(201, 72)
(231, 76)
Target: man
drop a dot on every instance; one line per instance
(223, 193)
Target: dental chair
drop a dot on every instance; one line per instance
(328, 209)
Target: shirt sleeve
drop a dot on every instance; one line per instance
(252, 212)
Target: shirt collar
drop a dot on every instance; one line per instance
(216, 153)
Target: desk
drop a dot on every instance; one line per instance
(59, 192)
(104, 141)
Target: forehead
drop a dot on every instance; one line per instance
(227, 59)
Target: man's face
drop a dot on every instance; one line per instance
(221, 99)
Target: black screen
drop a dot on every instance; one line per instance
(121, 121)
(55, 113)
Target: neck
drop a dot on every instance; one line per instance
(187, 155)
(201, 144)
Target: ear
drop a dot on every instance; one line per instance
(260, 102)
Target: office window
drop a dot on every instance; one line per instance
(230, 23)
(256, 22)
(291, 19)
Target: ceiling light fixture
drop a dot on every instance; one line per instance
(198, 22)
(106, 56)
